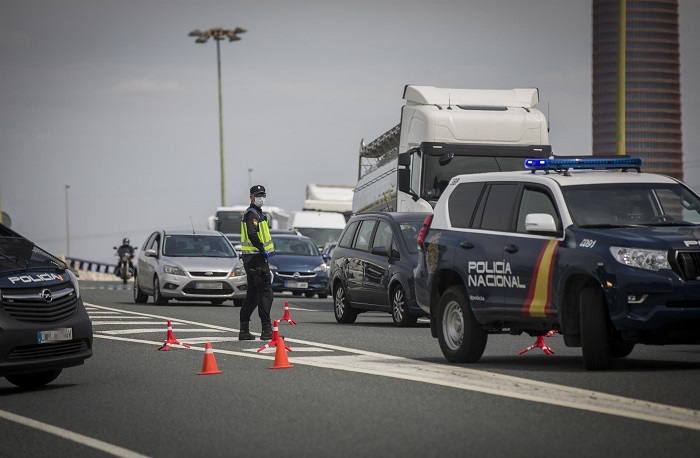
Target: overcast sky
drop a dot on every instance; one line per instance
(114, 99)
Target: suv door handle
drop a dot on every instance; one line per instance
(511, 248)
(466, 244)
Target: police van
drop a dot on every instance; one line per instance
(592, 248)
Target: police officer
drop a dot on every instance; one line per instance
(256, 246)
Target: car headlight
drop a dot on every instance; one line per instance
(74, 280)
(273, 267)
(322, 268)
(641, 258)
(238, 272)
(173, 270)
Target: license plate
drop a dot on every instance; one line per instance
(55, 335)
(297, 284)
(208, 285)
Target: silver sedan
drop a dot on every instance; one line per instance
(189, 266)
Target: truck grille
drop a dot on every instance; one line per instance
(689, 265)
(50, 304)
(53, 350)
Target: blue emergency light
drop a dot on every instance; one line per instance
(583, 163)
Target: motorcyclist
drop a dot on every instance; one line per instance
(125, 249)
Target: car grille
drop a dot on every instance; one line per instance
(689, 265)
(28, 304)
(208, 274)
(298, 276)
(52, 350)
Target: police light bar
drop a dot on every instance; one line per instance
(584, 163)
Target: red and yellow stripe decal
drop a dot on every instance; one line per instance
(539, 297)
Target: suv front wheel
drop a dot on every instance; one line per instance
(462, 339)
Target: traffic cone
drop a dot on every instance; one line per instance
(286, 316)
(275, 338)
(539, 343)
(209, 364)
(281, 360)
(171, 340)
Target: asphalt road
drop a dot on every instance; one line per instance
(367, 389)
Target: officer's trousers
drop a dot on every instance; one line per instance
(259, 292)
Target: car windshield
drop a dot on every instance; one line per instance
(639, 204)
(320, 235)
(409, 232)
(298, 247)
(193, 245)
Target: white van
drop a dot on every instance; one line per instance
(321, 227)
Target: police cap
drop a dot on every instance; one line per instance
(257, 189)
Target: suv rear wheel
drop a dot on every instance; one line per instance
(462, 339)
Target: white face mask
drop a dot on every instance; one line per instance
(259, 201)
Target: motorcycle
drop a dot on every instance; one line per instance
(125, 269)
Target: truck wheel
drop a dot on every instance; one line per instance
(344, 313)
(33, 379)
(595, 329)
(158, 298)
(462, 339)
(399, 309)
(139, 296)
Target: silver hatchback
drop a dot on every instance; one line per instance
(189, 266)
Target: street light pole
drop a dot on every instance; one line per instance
(219, 34)
(67, 224)
(250, 178)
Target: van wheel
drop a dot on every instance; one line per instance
(595, 329)
(139, 296)
(462, 339)
(158, 298)
(342, 310)
(33, 379)
(399, 309)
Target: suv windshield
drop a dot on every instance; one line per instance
(647, 204)
(207, 246)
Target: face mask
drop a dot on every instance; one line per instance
(259, 201)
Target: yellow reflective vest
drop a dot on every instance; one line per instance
(247, 246)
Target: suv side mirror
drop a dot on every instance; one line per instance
(540, 222)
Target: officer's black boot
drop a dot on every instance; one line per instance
(266, 331)
(245, 332)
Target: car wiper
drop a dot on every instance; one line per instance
(671, 223)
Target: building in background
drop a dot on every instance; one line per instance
(652, 95)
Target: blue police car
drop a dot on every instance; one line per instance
(593, 248)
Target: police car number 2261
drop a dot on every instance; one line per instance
(593, 248)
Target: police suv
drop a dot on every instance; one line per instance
(608, 258)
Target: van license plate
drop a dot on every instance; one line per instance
(55, 335)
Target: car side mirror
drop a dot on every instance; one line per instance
(540, 222)
(150, 253)
(326, 257)
(380, 251)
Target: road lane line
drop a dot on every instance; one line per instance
(71, 436)
(478, 381)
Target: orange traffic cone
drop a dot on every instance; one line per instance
(171, 340)
(209, 364)
(286, 316)
(281, 361)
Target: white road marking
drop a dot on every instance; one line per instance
(294, 350)
(472, 380)
(102, 323)
(70, 435)
(144, 330)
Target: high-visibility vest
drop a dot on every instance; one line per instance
(247, 246)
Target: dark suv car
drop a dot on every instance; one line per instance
(608, 259)
(44, 326)
(372, 267)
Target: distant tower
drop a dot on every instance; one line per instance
(653, 95)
